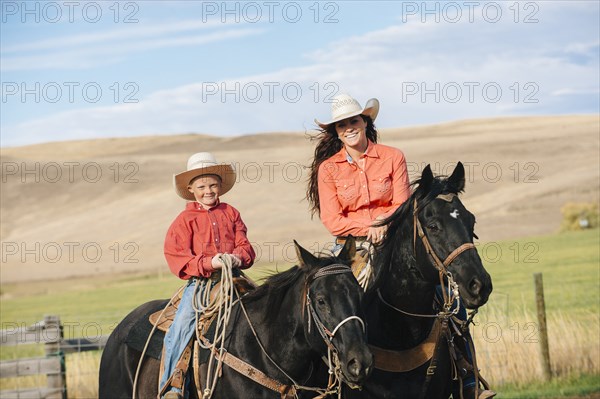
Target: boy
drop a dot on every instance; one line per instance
(206, 229)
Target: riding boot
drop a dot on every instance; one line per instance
(179, 376)
(469, 393)
(464, 362)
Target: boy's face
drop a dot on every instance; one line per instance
(206, 189)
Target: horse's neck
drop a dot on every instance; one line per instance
(283, 338)
(405, 289)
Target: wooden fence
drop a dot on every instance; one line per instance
(48, 332)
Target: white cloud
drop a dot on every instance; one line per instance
(112, 36)
(422, 73)
(108, 47)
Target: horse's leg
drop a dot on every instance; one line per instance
(147, 384)
(114, 375)
(119, 362)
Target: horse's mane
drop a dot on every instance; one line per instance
(278, 285)
(390, 248)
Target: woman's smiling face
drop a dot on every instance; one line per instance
(353, 132)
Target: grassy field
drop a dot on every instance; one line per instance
(568, 261)
(506, 334)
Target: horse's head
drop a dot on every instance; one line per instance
(334, 312)
(444, 231)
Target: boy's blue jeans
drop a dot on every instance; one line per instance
(179, 334)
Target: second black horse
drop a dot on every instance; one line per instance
(296, 315)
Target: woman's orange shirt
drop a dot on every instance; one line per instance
(351, 197)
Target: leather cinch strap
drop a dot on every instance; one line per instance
(409, 359)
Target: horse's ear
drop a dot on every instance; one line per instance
(457, 179)
(426, 179)
(349, 250)
(305, 258)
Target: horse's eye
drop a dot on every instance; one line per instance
(432, 227)
(321, 301)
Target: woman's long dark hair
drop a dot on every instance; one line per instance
(328, 145)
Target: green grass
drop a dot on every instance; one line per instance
(569, 263)
(562, 387)
(87, 307)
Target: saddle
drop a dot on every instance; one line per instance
(361, 264)
(163, 319)
(243, 285)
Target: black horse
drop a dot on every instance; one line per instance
(432, 223)
(296, 315)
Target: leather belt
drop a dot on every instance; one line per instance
(341, 240)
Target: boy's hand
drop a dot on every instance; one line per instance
(216, 262)
(236, 261)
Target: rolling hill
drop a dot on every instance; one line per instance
(83, 208)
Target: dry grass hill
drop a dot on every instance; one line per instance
(84, 208)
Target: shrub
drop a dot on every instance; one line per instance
(579, 216)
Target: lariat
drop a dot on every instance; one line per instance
(221, 307)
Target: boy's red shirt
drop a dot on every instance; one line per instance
(197, 235)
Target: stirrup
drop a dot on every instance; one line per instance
(486, 394)
(172, 395)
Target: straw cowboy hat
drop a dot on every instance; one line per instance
(344, 106)
(203, 163)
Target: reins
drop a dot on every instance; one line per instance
(290, 391)
(450, 292)
(442, 266)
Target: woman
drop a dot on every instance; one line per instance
(355, 182)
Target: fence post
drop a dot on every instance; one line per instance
(541, 315)
(52, 348)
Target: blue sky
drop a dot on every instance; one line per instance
(89, 69)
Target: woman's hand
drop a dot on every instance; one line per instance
(376, 233)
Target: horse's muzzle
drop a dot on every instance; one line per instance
(358, 367)
(478, 291)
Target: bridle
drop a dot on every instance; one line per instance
(327, 334)
(450, 295)
(441, 266)
(335, 375)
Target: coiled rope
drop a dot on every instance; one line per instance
(220, 306)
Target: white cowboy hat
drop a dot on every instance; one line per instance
(344, 106)
(203, 163)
